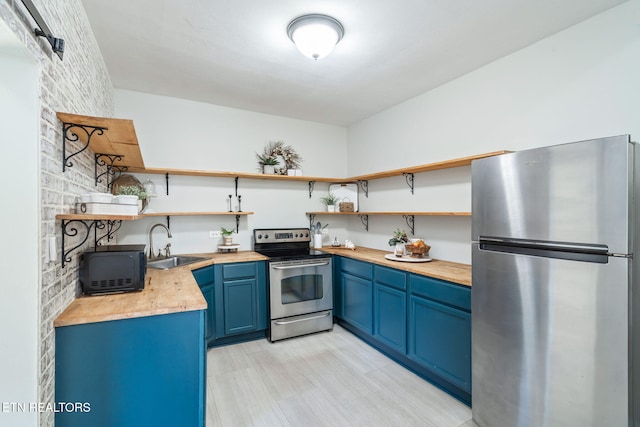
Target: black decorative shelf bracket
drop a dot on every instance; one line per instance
(312, 217)
(236, 181)
(70, 229)
(166, 177)
(69, 135)
(112, 170)
(311, 185)
(409, 178)
(364, 186)
(410, 220)
(237, 224)
(112, 227)
(365, 221)
(169, 222)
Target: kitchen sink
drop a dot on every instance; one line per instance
(173, 261)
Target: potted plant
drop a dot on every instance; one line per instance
(268, 163)
(227, 236)
(331, 200)
(132, 192)
(399, 240)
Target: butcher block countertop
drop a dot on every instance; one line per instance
(165, 292)
(445, 270)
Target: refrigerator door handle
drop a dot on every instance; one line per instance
(559, 250)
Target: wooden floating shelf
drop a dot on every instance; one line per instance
(118, 139)
(99, 217)
(447, 164)
(192, 213)
(463, 161)
(394, 213)
(221, 174)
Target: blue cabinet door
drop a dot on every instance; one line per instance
(240, 299)
(390, 307)
(205, 277)
(240, 306)
(209, 322)
(440, 340)
(390, 317)
(357, 301)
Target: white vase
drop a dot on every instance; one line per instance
(331, 208)
(268, 169)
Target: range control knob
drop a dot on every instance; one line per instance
(296, 234)
(266, 236)
(306, 234)
(259, 236)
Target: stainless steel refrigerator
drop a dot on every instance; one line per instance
(555, 296)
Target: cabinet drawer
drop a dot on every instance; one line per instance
(390, 277)
(204, 275)
(236, 271)
(438, 290)
(357, 268)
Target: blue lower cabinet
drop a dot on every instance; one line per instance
(236, 295)
(240, 302)
(357, 301)
(146, 371)
(440, 329)
(421, 322)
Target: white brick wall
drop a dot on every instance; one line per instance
(79, 84)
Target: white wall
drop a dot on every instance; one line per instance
(177, 133)
(19, 261)
(579, 84)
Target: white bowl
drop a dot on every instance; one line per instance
(85, 198)
(101, 197)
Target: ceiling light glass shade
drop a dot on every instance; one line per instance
(315, 35)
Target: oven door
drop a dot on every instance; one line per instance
(300, 287)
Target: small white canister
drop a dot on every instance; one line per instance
(317, 241)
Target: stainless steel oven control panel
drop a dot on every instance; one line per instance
(285, 235)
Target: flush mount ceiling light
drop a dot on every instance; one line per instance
(315, 35)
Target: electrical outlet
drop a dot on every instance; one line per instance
(214, 234)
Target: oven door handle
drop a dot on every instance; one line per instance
(287, 322)
(289, 267)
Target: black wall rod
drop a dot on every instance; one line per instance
(43, 31)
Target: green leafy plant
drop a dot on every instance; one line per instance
(267, 160)
(132, 190)
(399, 236)
(331, 199)
(225, 232)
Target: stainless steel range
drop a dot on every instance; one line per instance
(300, 283)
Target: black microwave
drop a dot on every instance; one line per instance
(111, 269)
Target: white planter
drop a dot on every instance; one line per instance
(268, 169)
(331, 208)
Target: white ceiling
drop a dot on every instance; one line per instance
(237, 54)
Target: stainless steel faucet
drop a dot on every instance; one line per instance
(151, 254)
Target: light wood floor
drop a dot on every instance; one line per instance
(326, 379)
